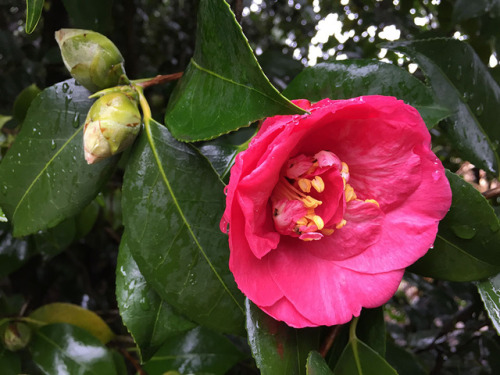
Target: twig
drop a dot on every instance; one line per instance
(327, 344)
(133, 361)
(159, 79)
(492, 193)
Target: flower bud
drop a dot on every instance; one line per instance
(17, 336)
(91, 58)
(111, 126)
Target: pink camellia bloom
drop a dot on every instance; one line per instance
(325, 210)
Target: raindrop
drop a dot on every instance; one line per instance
(464, 231)
(479, 109)
(76, 121)
(459, 72)
(65, 87)
(465, 97)
(436, 174)
(143, 302)
(495, 225)
(53, 144)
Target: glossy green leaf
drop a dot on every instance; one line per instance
(14, 252)
(404, 362)
(75, 315)
(223, 88)
(93, 15)
(489, 290)
(197, 351)
(54, 240)
(463, 84)
(359, 359)
(148, 318)
(44, 177)
(33, 14)
(371, 329)
(172, 204)
(64, 349)
(316, 365)
(352, 78)
(467, 243)
(10, 363)
(277, 348)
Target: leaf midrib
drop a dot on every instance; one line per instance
(183, 217)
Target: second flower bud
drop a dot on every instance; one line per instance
(112, 125)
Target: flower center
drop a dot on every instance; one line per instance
(309, 199)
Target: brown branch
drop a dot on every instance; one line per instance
(492, 193)
(327, 344)
(133, 361)
(159, 79)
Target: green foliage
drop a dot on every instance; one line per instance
(127, 254)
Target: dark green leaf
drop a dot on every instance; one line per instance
(463, 84)
(371, 329)
(64, 349)
(197, 351)
(23, 101)
(467, 243)
(10, 362)
(54, 240)
(404, 362)
(86, 219)
(172, 204)
(13, 252)
(277, 348)
(149, 319)
(33, 14)
(489, 290)
(352, 78)
(316, 365)
(223, 88)
(93, 15)
(44, 177)
(466, 9)
(359, 359)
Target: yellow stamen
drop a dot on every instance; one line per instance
(302, 221)
(310, 202)
(305, 185)
(372, 201)
(349, 193)
(318, 221)
(341, 224)
(345, 170)
(327, 231)
(318, 184)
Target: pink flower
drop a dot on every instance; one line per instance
(324, 211)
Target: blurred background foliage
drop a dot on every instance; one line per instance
(443, 324)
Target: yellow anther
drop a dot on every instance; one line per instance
(318, 221)
(302, 221)
(318, 184)
(372, 201)
(349, 193)
(327, 231)
(310, 202)
(345, 170)
(341, 224)
(305, 185)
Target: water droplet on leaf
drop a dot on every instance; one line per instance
(53, 144)
(464, 231)
(65, 87)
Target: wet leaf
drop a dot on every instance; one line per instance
(461, 83)
(148, 318)
(172, 204)
(197, 351)
(352, 78)
(223, 88)
(489, 290)
(33, 14)
(44, 178)
(316, 365)
(64, 349)
(467, 243)
(277, 348)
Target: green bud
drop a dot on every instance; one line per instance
(91, 58)
(112, 125)
(17, 336)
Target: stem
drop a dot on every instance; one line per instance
(133, 361)
(327, 344)
(492, 193)
(352, 329)
(159, 79)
